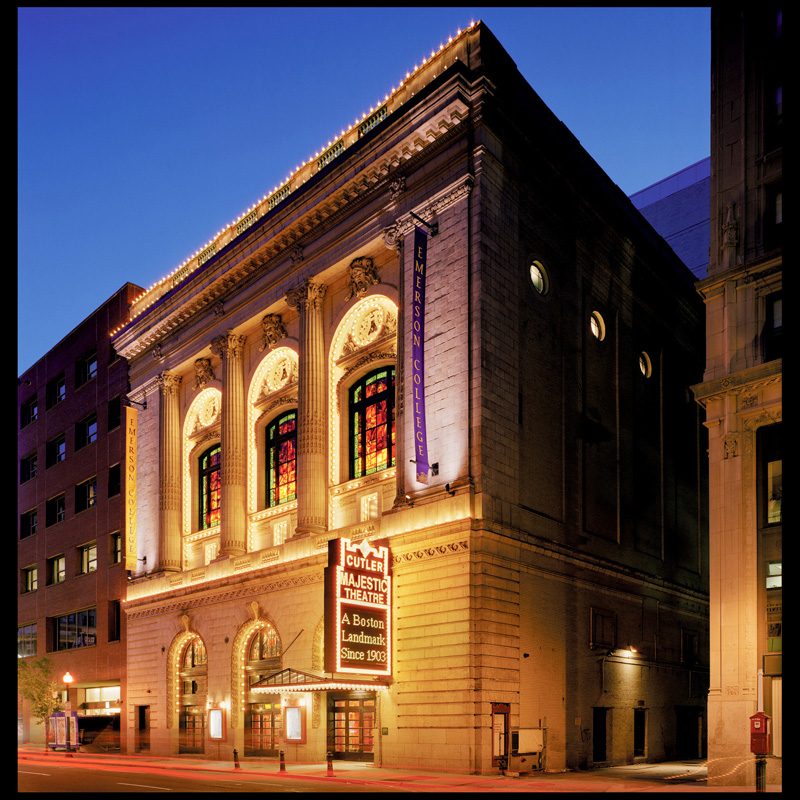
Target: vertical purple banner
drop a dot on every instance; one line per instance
(418, 354)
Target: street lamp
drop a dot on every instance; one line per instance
(67, 681)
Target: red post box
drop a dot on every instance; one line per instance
(760, 734)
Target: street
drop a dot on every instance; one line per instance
(89, 772)
(60, 773)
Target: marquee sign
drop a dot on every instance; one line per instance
(358, 608)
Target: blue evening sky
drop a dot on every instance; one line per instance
(144, 131)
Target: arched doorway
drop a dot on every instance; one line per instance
(193, 680)
(262, 713)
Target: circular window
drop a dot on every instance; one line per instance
(645, 364)
(597, 326)
(539, 278)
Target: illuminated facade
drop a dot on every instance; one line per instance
(742, 389)
(72, 578)
(445, 364)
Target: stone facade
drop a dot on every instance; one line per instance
(741, 390)
(550, 576)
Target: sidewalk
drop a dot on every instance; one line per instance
(678, 776)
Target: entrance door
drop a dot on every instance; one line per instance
(142, 741)
(599, 716)
(351, 726)
(688, 732)
(263, 728)
(192, 730)
(500, 737)
(639, 732)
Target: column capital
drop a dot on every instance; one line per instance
(228, 344)
(169, 383)
(307, 297)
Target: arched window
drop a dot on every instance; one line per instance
(281, 470)
(194, 655)
(264, 645)
(210, 487)
(194, 687)
(372, 423)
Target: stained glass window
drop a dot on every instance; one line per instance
(265, 644)
(372, 426)
(282, 459)
(195, 654)
(210, 487)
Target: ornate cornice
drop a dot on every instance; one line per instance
(746, 381)
(259, 250)
(158, 605)
(455, 192)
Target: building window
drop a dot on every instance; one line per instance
(114, 622)
(56, 391)
(690, 647)
(28, 468)
(55, 510)
(115, 547)
(372, 426)
(264, 645)
(210, 487)
(88, 558)
(773, 327)
(30, 579)
(645, 365)
(86, 368)
(56, 450)
(774, 577)
(26, 640)
(78, 629)
(538, 276)
(771, 493)
(114, 412)
(114, 480)
(603, 628)
(282, 459)
(56, 569)
(85, 495)
(27, 523)
(86, 431)
(195, 654)
(597, 326)
(29, 412)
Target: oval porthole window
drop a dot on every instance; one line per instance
(645, 364)
(597, 326)
(538, 278)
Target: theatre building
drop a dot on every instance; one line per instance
(414, 475)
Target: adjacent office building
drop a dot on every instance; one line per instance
(414, 474)
(678, 208)
(70, 508)
(742, 388)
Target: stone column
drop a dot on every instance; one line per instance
(169, 433)
(312, 429)
(233, 467)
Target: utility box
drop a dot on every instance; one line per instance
(526, 749)
(760, 734)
